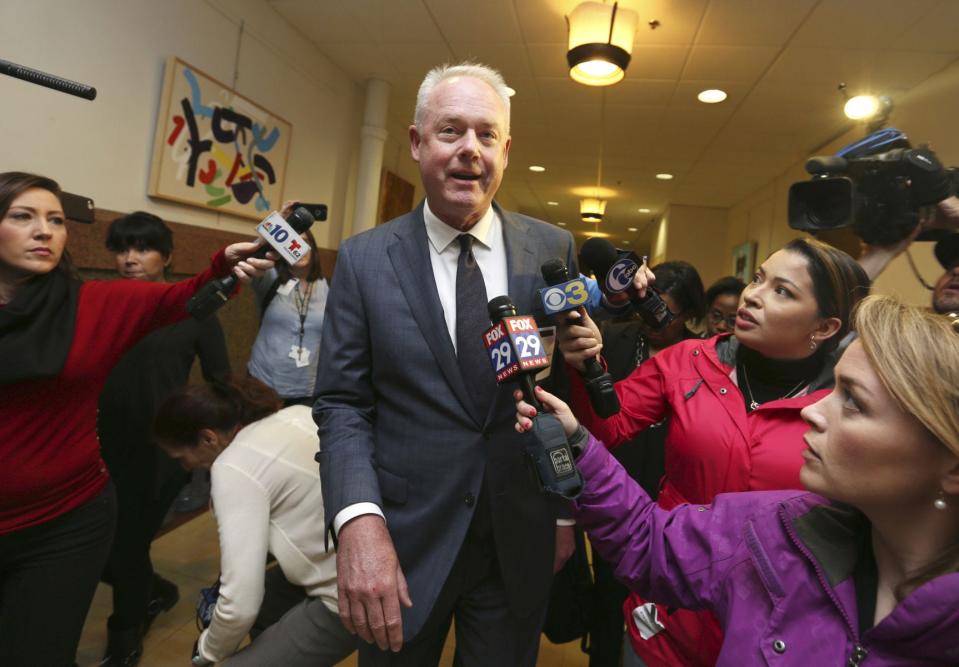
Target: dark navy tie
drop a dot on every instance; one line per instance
(472, 321)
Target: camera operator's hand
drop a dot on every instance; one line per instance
(578, 338)
(945, 215)
(875, 258)
(525, 412)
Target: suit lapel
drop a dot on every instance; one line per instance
(410, 256)
(521, 268)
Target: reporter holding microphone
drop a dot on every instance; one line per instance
(733, 403)
(59, 340)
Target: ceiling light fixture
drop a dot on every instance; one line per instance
(711, 96)
(561, 224)
(538, 169)
(600, 42)
(644, 210)
(552, 203)
(664, 177)
(632, 229)
(592, 209)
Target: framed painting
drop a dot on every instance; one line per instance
(215, 148)
(744, 261)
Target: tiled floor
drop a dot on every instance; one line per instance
(189, 556)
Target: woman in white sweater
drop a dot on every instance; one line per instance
(266, 498)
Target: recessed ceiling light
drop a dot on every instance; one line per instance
(712, 96)
(644, 210)
(632, 229)
(552, 203)
(561, 224)
(664, 177)
(510, 91)
(536, 168)
(625, 241)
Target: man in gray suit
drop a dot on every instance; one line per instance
(424, 480)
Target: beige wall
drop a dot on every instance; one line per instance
(926, 115)
(102, 148)
(694, 234)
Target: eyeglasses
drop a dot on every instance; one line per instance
(716, 318)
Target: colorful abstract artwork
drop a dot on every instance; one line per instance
(216, 149)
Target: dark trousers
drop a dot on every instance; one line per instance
(606, 625)
(48, 574)
(487, 632)
(143, 499)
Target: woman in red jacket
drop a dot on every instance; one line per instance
(59, 339)
(733, 403)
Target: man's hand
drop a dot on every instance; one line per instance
(370, 583)
(565, 546)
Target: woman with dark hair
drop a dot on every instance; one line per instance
(267, 498)
(733, 403)
(863, 568)
(59, 339)
(291, 301)
(628, 345)
(722, 302)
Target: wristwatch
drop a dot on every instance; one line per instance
(198, 659)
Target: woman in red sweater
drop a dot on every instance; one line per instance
(59, 339)
(733, 403)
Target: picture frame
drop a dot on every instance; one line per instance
(216, 149)
(744, 261)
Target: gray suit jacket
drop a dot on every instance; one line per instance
(397, 426)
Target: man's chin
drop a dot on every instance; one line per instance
(946, 305)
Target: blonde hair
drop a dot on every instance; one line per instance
(441, 73)
(915, 353)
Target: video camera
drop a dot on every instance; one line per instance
(876, 185)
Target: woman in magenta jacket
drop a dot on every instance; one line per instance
(59, 339)
(733, 403)
(862, 570)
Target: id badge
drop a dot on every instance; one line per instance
(300, 355)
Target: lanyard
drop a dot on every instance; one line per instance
(302, 307)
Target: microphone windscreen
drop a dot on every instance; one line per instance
(554, 271)
(499, 307)
(300, 220)
(599, 255)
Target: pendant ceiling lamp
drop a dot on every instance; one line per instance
(600, 42)
(592, 209)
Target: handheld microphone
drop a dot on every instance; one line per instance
(282, 236)
(615, 270)
(565, 295)
(517, 353)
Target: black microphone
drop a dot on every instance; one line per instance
(47, 80)
(614, 272)
(517, 353)
(280, 235)
(599, 383)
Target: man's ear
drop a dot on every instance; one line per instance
(207, 437)
(415, 140)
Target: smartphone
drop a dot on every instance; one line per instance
(78, 208)
(318, 211)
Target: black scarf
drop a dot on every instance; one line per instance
(36, 328)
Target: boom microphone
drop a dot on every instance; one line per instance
(563, 296)
(614, 271)
(47, 80)
(517, 353)
(282, 236)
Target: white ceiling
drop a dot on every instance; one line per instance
(779, 60)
